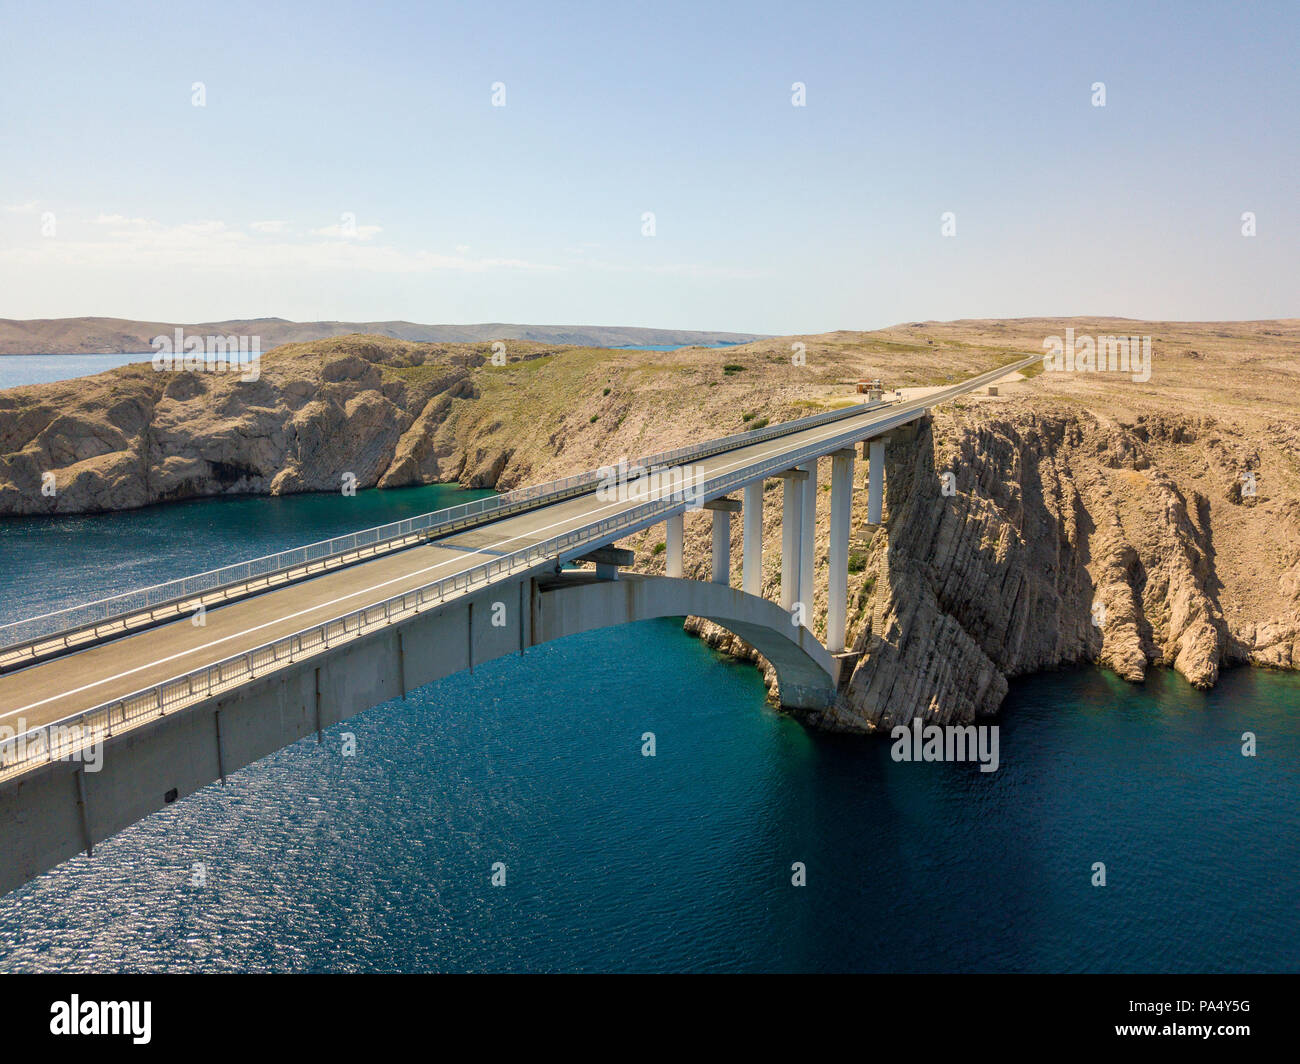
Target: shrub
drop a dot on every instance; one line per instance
(864, 592)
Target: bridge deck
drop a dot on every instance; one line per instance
(52, 690)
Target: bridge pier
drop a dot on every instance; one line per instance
(808, 542)
(675, 538)
(722, 511)
(752, 567)
(841, 508)
(875, 481)
(791, 520)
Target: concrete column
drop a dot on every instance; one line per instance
(876, 482)
(721, 547)
(808, 542)
(722, 511)
(752, 571)
(841, 508)
(675, 537)
(791, 519)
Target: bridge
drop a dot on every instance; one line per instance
(111, 710)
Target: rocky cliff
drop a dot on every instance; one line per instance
(1067, 540)
(317, 413)
(1085, 517)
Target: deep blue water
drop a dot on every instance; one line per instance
(615, 861)
(83, 558)
(16, 370)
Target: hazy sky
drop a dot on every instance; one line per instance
(767, 217)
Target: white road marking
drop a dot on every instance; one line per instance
(838, 428)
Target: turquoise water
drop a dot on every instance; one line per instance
(382, 861)
(16, 370)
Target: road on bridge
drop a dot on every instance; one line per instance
(55, 689)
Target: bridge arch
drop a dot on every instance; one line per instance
(57, 810)
(576, 602)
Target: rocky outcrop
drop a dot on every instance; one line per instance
(361, 407)
(1087, 521)
(1065, 542)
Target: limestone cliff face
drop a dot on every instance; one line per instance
(1089, 519)
(361, 406)
(1064, 541)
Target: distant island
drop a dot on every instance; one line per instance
(113, 336)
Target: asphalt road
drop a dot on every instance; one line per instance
(55, 689)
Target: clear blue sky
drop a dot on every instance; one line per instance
(768, 217)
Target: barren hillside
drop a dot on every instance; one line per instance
(1173, 503)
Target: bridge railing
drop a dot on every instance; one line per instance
(64, 739)
(27, 638)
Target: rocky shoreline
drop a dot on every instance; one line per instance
(1001, 579)
(1087, 519)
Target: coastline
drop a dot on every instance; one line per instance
(1071, 518)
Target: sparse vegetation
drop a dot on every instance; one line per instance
(864, 592)
(428, 371)
(1032, 371)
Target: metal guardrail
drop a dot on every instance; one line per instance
(49, 628)
(61, 739)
